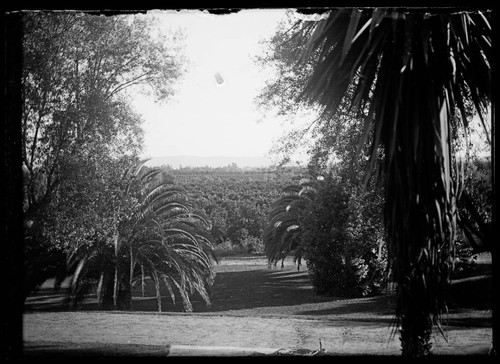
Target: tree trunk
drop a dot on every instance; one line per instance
(158, 294)
(122, 289)
(494, 247)
(106, 301)
(116, 288)
(157, 288)
(125, 295)
(100, 291)
(420, 210)
(143, 283)
(116, 285)
(132, 264)
(416, 324)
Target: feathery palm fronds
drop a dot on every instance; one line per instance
(178, 248)
(159, 230)
(283, 233)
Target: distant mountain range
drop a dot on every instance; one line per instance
(210, 161)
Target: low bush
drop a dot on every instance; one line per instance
(247, 245)
(251, 244)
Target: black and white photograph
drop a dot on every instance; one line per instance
(255, 182)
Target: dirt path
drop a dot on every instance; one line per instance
(201, 330)
(253, 307)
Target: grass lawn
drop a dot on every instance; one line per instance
(253, 308)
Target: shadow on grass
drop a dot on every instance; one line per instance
(240, 290)
(379, 305)
(233, 290)
(93, 350)
(237, 288)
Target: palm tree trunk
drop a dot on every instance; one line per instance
(416, 324)
(143, 283)
(420, 210)
(116, 285)
(494, 247)
(157, 288)
(100, 291)
(132, 264)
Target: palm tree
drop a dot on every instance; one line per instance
(407, 72)
(158, 233)
(283, 233)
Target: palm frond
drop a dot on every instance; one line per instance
(283, 232)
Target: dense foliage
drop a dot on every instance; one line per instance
(237, 202)
(344, 239)
(475, 206)
(335, 224)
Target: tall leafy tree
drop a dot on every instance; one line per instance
(405, 72)
(77, 69)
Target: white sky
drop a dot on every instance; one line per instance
(203, 118)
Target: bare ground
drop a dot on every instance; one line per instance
(255, 310)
